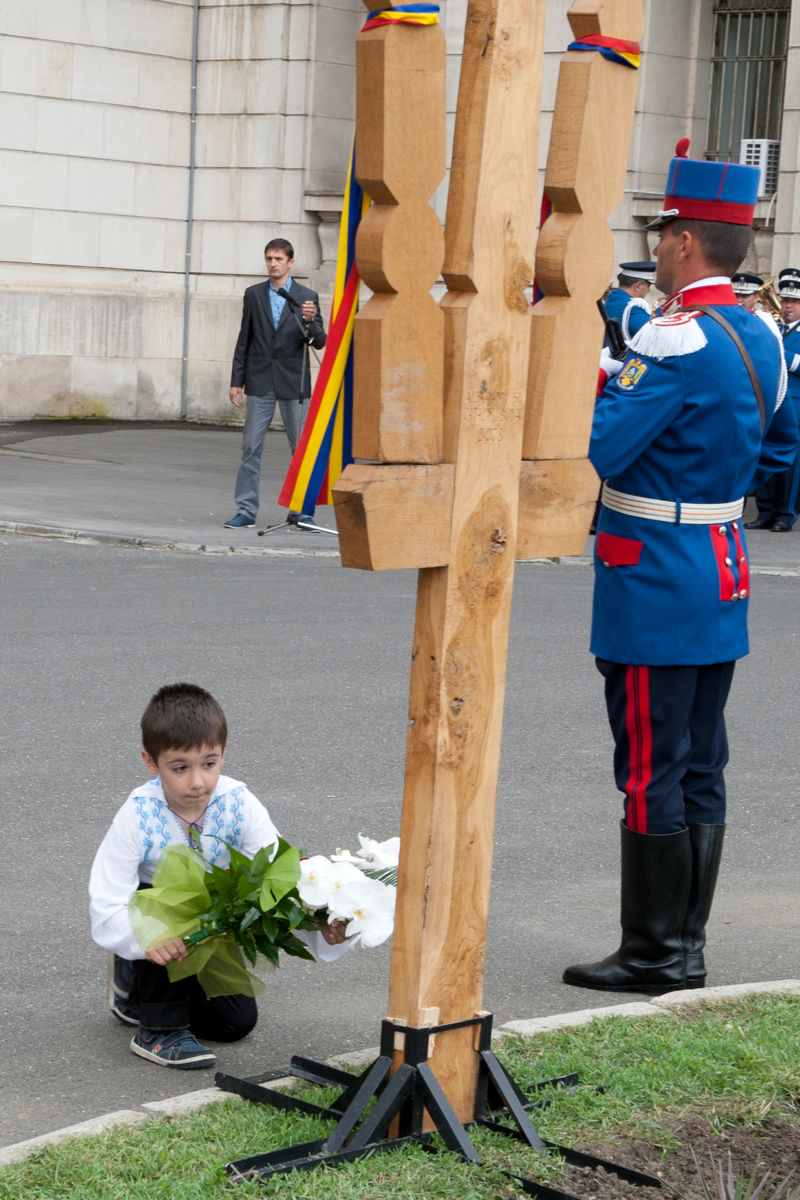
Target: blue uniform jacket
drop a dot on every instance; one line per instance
(681, 423)
(630, 313)
(791, 349)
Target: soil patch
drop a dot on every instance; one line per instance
(754, 1150)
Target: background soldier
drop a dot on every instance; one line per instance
(746, 288)
(626, 302)
(678, 435)
(777, 497)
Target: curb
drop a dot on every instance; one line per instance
(175, 1106)
(84, 537)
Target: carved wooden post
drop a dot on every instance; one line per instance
(400, 162)
(458, 519)
(589, 147)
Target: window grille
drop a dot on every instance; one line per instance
(748, 73)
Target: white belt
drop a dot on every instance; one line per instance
(671, 511)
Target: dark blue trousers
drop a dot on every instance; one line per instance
(670, 744)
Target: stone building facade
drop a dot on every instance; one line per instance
(121, 119)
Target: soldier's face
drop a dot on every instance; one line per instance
(667, 252)
(791, 311)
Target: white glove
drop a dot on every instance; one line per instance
(610, 365)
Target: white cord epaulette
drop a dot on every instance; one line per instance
(670, 337)
(771, 324)
(626, 316)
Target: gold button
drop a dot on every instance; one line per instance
(735, 596)
(743, 593)
(723, 530)
(728, 562)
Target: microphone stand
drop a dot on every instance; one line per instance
(296, 519)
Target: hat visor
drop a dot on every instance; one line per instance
(663, 219)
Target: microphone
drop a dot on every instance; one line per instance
(287, 296)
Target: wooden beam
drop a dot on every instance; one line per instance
(460, 640)
(400, 162)
(394, 517)
(391, 518)
(585, 179)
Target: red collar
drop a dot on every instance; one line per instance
(717, 294)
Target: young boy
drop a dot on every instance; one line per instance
(184, 734)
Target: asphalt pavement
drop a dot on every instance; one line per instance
(311, 664)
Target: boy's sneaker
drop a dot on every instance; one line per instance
(172, 1048)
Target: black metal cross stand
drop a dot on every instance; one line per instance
(370, 1102)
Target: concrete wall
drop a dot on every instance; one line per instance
(94, 156)
(786, 247)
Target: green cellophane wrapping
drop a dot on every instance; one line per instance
(173, 908)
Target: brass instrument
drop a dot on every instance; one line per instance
(767, 298)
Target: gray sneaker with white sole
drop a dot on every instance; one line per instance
(172, 1048)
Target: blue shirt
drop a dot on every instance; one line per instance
(277, 303)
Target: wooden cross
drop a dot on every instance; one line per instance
(471, 423)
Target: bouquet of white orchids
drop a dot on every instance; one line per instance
(258, 906)
(357, 888)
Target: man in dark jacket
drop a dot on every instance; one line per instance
(270, 363)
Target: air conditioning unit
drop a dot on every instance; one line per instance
(764, 153)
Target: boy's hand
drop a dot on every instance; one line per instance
(335, 933)
(167, 952)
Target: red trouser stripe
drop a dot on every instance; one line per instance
(640, 745)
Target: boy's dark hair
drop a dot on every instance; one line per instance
(280, 244)
(182, 716)
(725, 246)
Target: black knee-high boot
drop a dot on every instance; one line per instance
(706, 842)
(656, 875)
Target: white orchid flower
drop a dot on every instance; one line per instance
(368, 907)
(372, 855)
(316, 881)
(342, 874)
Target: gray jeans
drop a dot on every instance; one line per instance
(256, 424)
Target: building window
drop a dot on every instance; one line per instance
(748, 73)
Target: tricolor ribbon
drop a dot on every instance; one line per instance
(616, 50)
(627, 54)
(402, 14)
(326, 443)
(325, 446)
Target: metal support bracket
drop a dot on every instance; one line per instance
(382, 1094)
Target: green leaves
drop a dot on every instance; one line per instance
(280, 876)
(251, 907)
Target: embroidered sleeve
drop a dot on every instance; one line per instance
(113, 880)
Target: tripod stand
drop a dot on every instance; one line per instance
(299, 521)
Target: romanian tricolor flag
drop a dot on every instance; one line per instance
(627, 54)
(325, 446)
(326, 443)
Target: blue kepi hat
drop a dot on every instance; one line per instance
(708, 191)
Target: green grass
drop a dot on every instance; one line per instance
(734, 1063)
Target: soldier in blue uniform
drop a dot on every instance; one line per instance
(625, 304)
(693, 416)
(777, 497)
(746, 288)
